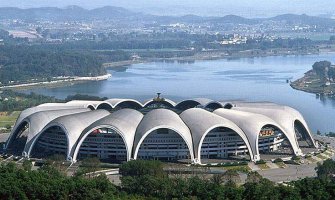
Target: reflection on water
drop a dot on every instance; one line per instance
(251, 79)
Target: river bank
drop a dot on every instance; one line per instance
(213, 55)
(311, 83)
(58, 83)
(252, 53)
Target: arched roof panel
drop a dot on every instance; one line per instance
(201, 122)
(162, 118)
(73, 125)
(164, 100)
(113, 103)
(30, 111)
(252, 123)
(84, 103)
(39, 120)
(124, 122)
(116, 102)
(283, 115)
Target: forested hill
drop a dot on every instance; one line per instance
(24, 63)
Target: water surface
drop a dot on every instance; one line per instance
(250, 79)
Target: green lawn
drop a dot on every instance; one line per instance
(244, 168)
(9, 118)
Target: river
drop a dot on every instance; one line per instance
(250, 79)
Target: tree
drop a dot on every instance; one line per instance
(231, 176)
(8, 126)
(16, 183)
(254, 177)
(56, 162)
(27, 165)
(217, 179)
(265, 189)
(326, 170)
(321, 69)
(142, 167)
(90, 164)
(232, 191)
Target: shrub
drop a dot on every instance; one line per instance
(308, 156)
(295, 158)
(8, 126)
(260, 162)
(278, 160)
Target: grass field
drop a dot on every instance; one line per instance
(244, 168)
(8, 118)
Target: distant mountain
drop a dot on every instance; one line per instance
(303, 19)
(110, 12)
(234, 19)
(68, 13)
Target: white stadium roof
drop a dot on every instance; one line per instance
(77, 121)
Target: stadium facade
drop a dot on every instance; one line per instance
(193, 130)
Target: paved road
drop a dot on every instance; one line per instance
(291, 172)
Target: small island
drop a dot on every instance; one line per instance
(320, 80)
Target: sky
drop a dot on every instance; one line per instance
(247, 8)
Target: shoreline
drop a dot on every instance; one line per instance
(66, 81)
(311, 84)
(215, 55)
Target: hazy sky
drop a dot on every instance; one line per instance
(254, 8)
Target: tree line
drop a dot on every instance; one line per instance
(148, 180)
(29, 63)
(15, 101)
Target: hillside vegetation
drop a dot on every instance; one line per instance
(24, 63)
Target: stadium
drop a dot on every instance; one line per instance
(196, 131)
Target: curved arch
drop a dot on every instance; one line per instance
(25, 114)
(33, 144)
(82, 139)
(91, 107)
(283, 115)
(189, 146)
(252, 123)
(213, 105)
(17, 132)
(105, 106)
(39, 120)
(238, 132)
(166, 102)
(128, 103)
(297, 124)
(187, 104)
(281, 130)
(228, 106)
